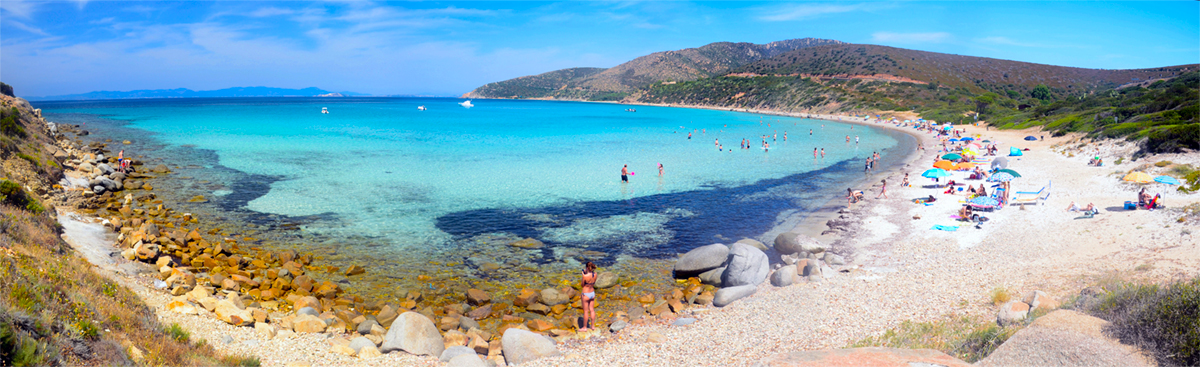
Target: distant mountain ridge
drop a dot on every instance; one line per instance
(619, 81)
(188, 93)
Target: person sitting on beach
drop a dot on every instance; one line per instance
(971, 190)
(965, 212)
(905, 182)
(1143, 197)
(982, 191)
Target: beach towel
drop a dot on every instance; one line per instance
(945, 228)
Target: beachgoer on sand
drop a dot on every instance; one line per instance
(588, 299)
(882, 190)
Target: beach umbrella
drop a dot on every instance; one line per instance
(1014, 152)
(935, 173)
(967, 139)
(969, 151)
(987, 141)
(946, 165)
(1167, 180)
(1001, 177)
(1000, 162)
(948, 127)
(1139, 177)
(974, 144)
(952, 156)
(1031, 138)
(964, 166)
(1009, 171)
(953, 139)
(984, 200)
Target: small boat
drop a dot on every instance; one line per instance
(325, 110)
(467, 104)
(630, 110)
(421, 108)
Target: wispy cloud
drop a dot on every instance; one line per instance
(27, 28)
(893, 37)
(270, 12)
(19, 8)
(807, 11)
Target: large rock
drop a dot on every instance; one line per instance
(1065, 338)
(477, 297)
(413, 333)
(1041, 300)
(791, 242)
(551, 297)
(747, 266)
(606, 279)
(701, 259)
(522, 346)
(784, 276)
(228, 312)
(873, 356)
(308, 324)
(364, 327)
(753, 242)
(725, 296)
(1012, 312)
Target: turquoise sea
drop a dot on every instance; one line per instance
(380, 171)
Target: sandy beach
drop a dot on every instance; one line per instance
(898, 269)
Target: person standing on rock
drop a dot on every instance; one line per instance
(588, 299)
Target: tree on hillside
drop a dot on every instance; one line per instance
(1041, 91)
(983, 101)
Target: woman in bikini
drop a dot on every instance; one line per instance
(588, 299)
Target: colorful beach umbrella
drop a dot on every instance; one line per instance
(967, 139)
(1139, 177)
(1167, 180)
(1001, 177)
(964, 166)
(952, 156)
(946, 165)
(984, 200)
(935, 173)
(1009, 171)
(969, 151)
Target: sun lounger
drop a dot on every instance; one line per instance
(1027, 197)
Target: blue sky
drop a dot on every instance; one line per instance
(449, 48)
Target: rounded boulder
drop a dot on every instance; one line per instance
(520, 346)
(746, 266)
(701, 259)
(413, 333)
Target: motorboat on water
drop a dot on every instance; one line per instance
(467, 104)
(421, 108)
(325, 110)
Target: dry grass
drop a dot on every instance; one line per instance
(1001, 295)
(54, 310)
(967, 338)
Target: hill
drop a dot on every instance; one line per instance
(976, 74)
(188, 93)
(630, 77)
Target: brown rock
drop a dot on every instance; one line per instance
(343, 349)
(448, 323)
(647, 298)
(480, 313)
(369, 351)
(558, 309)
(259, 314)
(308, 324)
(386, 315)
(307, 301)
(676, 305)
(705, 298)
(355, 270)
(478, 343)
(539, 325)
(526, 298)
(539, 308)
(659, 308)
(454, 338)
(528, 243)
(477, 297)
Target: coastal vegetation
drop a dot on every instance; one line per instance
(964, 337)
(54, 308)
(1163, 319)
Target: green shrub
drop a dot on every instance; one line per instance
(31, 159)
(963, 337)
(1164, 320)
(178, 333)
(19, 350)
(242, 361)
(11, 193)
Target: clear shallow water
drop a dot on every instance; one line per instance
(422, 180)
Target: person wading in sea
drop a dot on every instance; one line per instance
(625, 173)
(588, 299)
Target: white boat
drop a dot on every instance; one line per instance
(325, 110)
(467, 104)
(421, 108)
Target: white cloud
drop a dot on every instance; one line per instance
(19, 8)
(27, 28)
(270, 12)
(893, 37)
(806, 11)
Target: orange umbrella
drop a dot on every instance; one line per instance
(1139, 177)
(965, 166)
(943, 164)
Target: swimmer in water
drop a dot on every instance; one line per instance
(814, 153)
(822, 152)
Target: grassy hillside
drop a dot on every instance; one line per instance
(976, 74)
(633, 76)
(54, 309)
